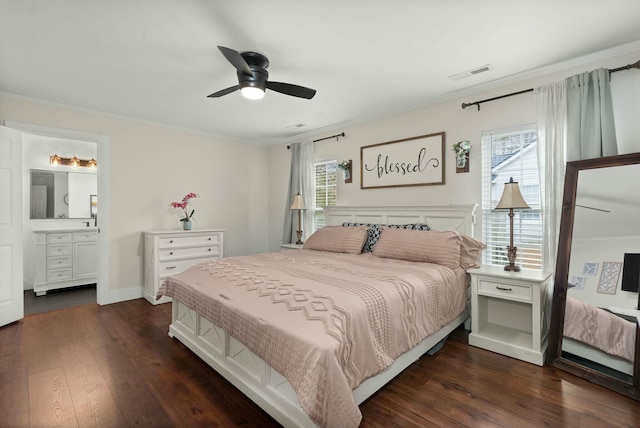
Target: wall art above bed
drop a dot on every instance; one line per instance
(417, 161)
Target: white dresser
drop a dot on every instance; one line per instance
(65, 258)
(167, 252)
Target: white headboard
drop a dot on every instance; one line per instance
(460, 218)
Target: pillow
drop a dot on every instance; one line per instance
(470, 250)
(373, 234)
(337, 239)
(374, 231)
(440, 247)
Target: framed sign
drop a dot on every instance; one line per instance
(417, 161)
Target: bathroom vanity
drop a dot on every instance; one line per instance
(65, 258)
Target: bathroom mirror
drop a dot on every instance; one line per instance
(62, 194)
(594, 331)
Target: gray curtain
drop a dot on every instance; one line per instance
(590, 129)
(301, 179)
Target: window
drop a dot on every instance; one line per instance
(326, 190)
(510, 153)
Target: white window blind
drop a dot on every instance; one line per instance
(510, 153)
(326, 190)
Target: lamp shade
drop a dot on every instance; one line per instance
(511, 197)
(298, 203)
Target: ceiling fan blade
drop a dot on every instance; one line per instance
(593, 208)
(224, 92)
(293, 90)
(236, 60)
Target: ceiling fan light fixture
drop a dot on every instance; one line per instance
(252, 92)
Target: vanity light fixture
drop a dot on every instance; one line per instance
(511, 199)
(73, 162)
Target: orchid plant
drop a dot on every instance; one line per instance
(183, 205)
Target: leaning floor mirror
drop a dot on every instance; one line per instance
(594, 330)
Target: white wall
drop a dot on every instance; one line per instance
(153, 165)
(458, 125)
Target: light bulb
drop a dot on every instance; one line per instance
(252, 93)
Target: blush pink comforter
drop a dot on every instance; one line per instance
(325, 321)
(600, 329)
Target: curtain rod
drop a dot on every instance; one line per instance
(337, 137)
(477, 103)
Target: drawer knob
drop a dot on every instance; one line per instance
(170, 267)
(209, 239)
(209, 249)
(171, 241)
(171, 253)
(504, 288)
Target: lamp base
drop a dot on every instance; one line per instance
(299, 241)
(511, 256)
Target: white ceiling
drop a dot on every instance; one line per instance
(156, 60)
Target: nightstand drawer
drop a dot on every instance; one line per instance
(520, 292)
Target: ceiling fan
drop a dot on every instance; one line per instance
(253, 77)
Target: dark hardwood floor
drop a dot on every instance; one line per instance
(55, 300)
(115, 366)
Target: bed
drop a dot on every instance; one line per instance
(221, 330)
(598, 335)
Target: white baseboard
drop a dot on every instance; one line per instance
(115, 296)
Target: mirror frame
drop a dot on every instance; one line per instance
(556, 328)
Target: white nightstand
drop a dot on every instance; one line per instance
(508, 312)
(292, 246)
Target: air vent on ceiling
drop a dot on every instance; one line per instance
(471, 72)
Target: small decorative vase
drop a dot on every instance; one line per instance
(347, 174)
(461, 161)
(186, 225)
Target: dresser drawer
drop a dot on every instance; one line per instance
(59, 275)
(171, 268)
(85, 236)
(59, 249)
(181, 253)
(58, 238)
(56, 262)
(188, 241)
(522, 292)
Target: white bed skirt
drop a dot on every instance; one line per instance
(262, 384)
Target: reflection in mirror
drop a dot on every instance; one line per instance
(594, 330)
(61, 194)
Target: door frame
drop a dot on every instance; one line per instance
(102, 286)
